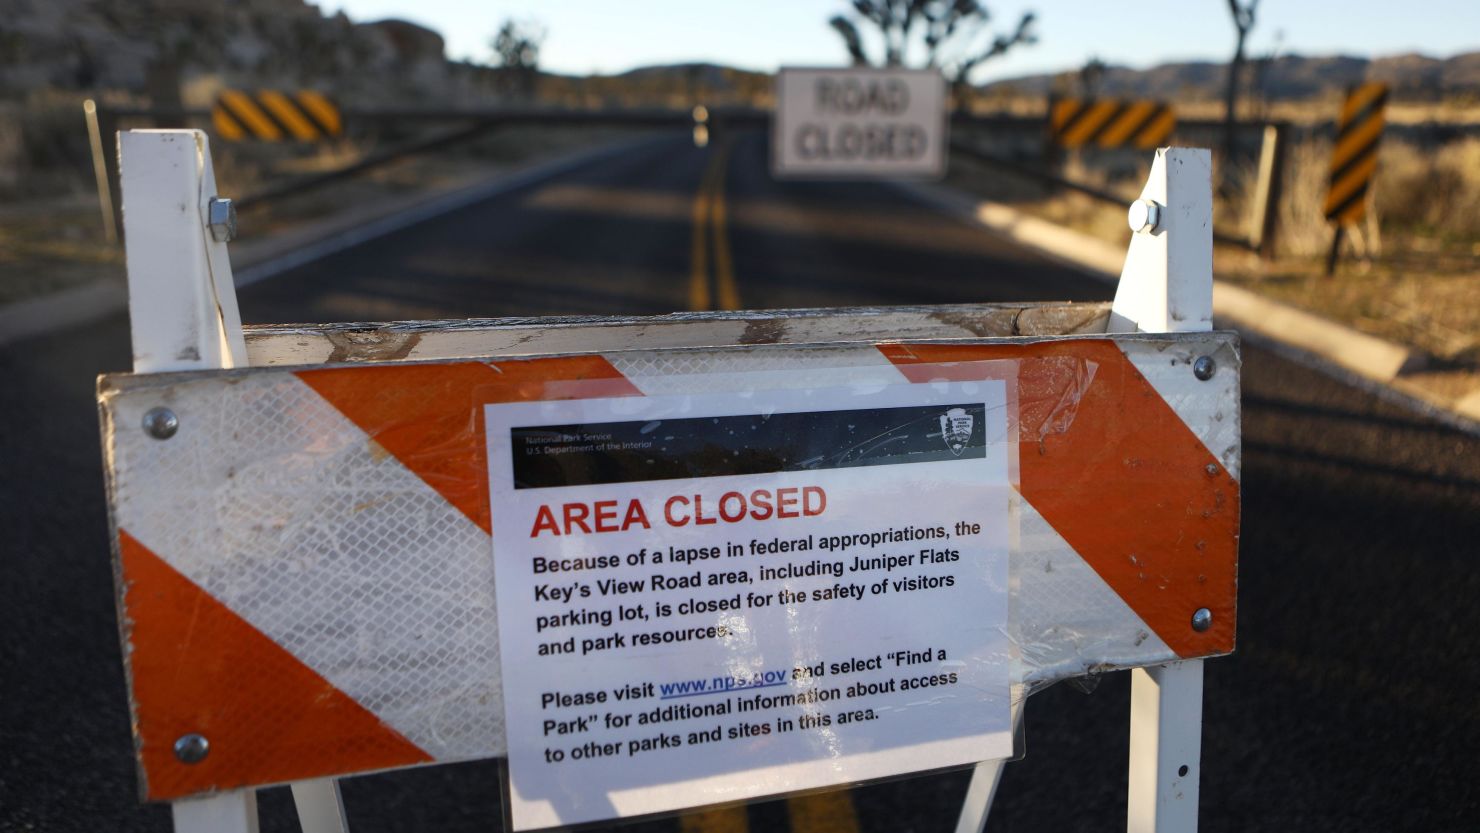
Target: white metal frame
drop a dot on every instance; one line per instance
(1166, 286)
(184, 317)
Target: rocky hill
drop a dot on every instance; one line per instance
(107, 45)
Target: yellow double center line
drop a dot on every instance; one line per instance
(823, 812)
(710, 214)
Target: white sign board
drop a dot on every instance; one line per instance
(718, 597)
(859, 122)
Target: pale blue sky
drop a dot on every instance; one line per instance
(587, 36)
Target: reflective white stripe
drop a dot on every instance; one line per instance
(1068, 619)
(283, 510)
(1209, 408)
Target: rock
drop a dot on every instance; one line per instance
(103, 45)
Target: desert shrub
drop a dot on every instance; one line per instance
(46, 150)
(1434, 192)
(1427, 191)
(1303, 228)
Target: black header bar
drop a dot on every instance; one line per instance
(630, 452)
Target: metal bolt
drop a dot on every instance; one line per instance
(161, 423)
(1204, 367)
(221, 217)
(1212, 469)
(1202, 619)
(1144, 216)
(192, 748)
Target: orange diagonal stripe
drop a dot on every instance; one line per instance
(1120, 476)
(252, 117)
(226, 126)
(1086, 127)
(195, 666)
(321, 109)
(1354, 178)
(1359, 98)
(283, 109)
(1158, 131)
(1356, 141)
(1063, 110)
(1353, 213)
(430, 416)
(1117, 133)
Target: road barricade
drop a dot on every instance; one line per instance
(275, 116)
(1110, 123)
(826, 546)
(1354, 154)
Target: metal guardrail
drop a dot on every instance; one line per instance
(104, 122)
(477, 122)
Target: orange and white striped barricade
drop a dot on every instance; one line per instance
(309, 522)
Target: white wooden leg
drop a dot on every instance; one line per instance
(1166, 748)
(320, 809)
(985, 777)
(233, 812)
(182, 304)
(984, 780)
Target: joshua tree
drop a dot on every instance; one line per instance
(517, 49)
(1243, 21)
(951, 35)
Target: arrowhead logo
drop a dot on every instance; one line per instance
(955, 429)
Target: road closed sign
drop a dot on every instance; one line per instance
(859, 122)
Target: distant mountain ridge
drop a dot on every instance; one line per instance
(1285, 78)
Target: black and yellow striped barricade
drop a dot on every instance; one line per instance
(275, 116)
(1110, 123)
(1354, 160)
(1354, 157)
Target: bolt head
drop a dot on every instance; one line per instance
(161, 423)
(192, 748)
(1204, 367)
(1202, 619)
(1144, 216)
(221, 217)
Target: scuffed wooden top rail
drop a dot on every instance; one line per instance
(499, 337)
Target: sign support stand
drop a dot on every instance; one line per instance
(183, 316)
(1331, 256)
(320, 808)
(1165, 286)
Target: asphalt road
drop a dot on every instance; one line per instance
(1353, 702)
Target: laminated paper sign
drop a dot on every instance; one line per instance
(714, 598)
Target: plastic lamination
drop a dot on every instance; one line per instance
(311, 555)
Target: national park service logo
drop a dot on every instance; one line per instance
(955, 429)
